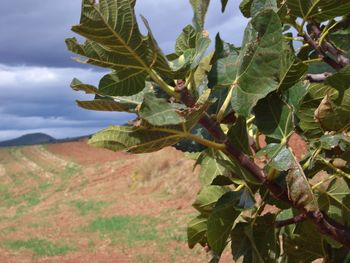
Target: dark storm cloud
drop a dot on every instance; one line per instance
(40, 99)
(33, 32)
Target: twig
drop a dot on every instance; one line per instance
(294, 220)
(325, 46)
(318, 77)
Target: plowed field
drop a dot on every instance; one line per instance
(72, 203)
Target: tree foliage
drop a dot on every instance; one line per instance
(291, 75)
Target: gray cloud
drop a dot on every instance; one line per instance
(33, 32)
(36, 68)
(34, 98)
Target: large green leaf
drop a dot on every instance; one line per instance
(122, 83)
(186, 40)
(211, 167)
(108, 103)
(308, 106)
(136, 139)
(326, 106)
(305, 245)
(260, 62)
(260, 5)
(200, 8)
(274, 117)
(245, 7)
(255, 241)
(196, 231)
(115, 42)
(238, 135)
(333, 112)
(221, 220)
(208, 197)
(334, 198)
(158, 112)
(103, 105)
(320, 10)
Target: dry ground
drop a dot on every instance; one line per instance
(73, 203)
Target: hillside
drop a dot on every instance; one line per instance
(73, 203)
(39, 138)
(29, 139)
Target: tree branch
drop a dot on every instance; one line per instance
(318, 77)
(325, 224)
(325, 46)
(294, 220)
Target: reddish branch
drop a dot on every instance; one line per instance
(326, 225)
(297, 219)
(325, 49)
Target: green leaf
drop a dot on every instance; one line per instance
(158, 112)
(122, 83)
(245, 7)
(221, 220)
(202, 45)
(274, 117)
(279, 156)
(200, 8)
(238, 135)
(104, 105)
(333, 112)
(260, 5)
(223, 49)
(77, 85)
(135, 139)
(326, 106)
(196, 231)
(320, 10)
(255, 241)
(223, 71)
(115, 42)
(334, 198)
(305, 245)
(309, 104)
(186, 40)
(260, 62)
(109, 103)
(331, 141)
(341, 39)
(211, 167)
(208, 197)
(299, 189)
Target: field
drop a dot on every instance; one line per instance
(73, 203)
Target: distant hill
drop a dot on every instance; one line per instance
(37, 138)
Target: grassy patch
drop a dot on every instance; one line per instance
(125, 229)
(69, 170)
(40, 247)
(86, 207)
(8, 230)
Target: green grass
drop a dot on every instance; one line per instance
(40, 247)
(125, 229)
(8, 230)
(86, 207)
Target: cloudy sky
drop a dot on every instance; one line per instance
(36, 69)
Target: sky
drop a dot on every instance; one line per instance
(36, 69)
